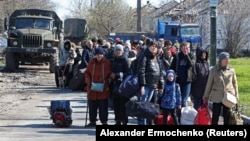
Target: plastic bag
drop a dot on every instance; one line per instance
(203, 116)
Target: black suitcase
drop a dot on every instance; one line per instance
(77, 82)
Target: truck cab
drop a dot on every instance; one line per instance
(181, 32)
(33, 37)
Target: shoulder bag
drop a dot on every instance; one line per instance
(235, 116)
(229, 100)
(97, 86)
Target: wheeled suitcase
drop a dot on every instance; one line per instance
(61, 113)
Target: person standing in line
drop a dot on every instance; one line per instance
(87, 54)
(202, 71)
(66, 61)
(94, 41)
(183, 65)
(149, 71)
(177, 45)
(169, 45)
(222, 77)
(98, 70)
(166, 59)
(160, 47)
(171, 98)
(120, 69)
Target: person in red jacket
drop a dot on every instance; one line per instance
(98, 70)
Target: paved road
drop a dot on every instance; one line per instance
(31, 120)
(28, 118)
(39, 127)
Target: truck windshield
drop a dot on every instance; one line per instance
(190, 31)
(33, 23)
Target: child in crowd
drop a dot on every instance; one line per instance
(171, 97)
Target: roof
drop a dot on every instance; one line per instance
(35, 12)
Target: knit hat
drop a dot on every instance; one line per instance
(99, 50)
(118, 41)
(111, 40)
(119, 47)
(223, 55)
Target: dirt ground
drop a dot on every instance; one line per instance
(24, 98)
(20, 87)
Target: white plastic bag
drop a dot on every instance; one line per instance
(188, 115)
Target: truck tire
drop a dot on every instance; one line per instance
(53, 61)
(11, 62)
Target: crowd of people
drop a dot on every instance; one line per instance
(167, 71)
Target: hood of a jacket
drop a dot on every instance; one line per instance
(67, 42)
(199, 52)
(167, 73)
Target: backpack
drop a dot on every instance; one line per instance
(129, 86)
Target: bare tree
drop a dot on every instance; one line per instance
(104, 16)
(79, 8)
(234, 22)
(11, 5)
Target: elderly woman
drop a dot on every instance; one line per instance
(221, 78)
(99, 71)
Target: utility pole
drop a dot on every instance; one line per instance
(213, 50)
(138, 15)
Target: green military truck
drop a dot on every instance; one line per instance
(34, 36)
(75, 30)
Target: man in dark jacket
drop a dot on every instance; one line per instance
(183, 65)
(87, 54)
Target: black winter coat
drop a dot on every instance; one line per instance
(120, 64)
(87, 55)
(202, 70)
(149, 71)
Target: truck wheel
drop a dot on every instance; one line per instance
(11, 62)
(53, 61)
